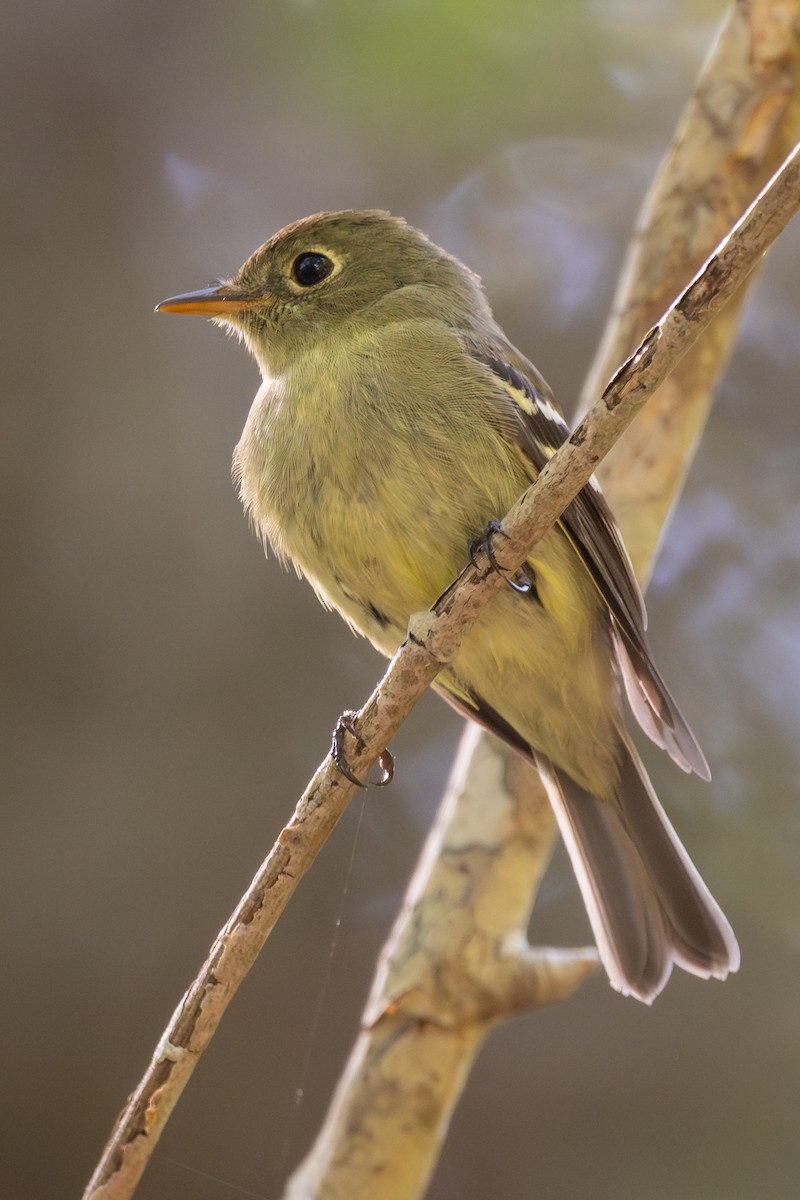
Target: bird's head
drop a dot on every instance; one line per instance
(320, 273)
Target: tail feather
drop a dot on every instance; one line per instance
(647, 904)
(654, 708)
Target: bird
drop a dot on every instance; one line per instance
(394, 424)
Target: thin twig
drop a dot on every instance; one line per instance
(433, 641)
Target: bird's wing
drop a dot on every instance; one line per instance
(539, 430)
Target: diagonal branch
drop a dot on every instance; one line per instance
(433, 641)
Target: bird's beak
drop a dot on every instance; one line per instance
(219, 300)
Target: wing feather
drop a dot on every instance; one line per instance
(588, 522)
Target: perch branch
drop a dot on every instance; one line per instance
(433, 641)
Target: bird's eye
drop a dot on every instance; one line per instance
(312, 268)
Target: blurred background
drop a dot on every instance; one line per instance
(167, 692)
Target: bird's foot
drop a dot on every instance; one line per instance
(519, 580)
(346, 724)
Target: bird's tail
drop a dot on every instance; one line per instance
(647, 904)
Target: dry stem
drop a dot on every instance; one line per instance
(434, 640)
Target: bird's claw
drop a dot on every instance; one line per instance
(518, 581)
(346, 724)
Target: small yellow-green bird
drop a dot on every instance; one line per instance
(394, 423)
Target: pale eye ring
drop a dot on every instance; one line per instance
(311, 268)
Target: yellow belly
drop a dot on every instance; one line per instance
(381, 534)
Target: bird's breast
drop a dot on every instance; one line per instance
(356, 471)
